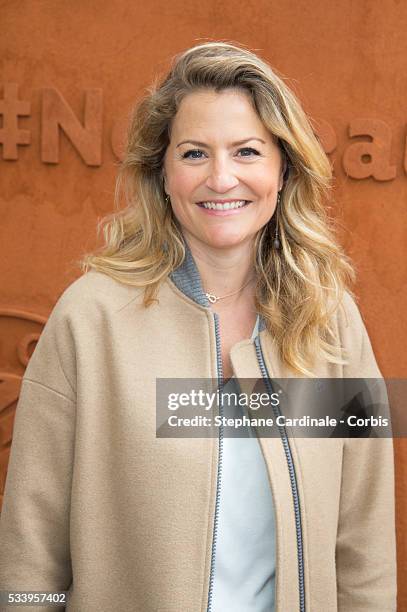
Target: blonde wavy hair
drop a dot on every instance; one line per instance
(299, 286)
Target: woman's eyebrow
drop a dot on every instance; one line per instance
(233, 144)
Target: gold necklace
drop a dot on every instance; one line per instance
(214, 298)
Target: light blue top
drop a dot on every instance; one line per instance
(244, 576)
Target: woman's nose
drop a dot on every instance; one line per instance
(221, 176)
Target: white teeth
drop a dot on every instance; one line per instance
(225, 206)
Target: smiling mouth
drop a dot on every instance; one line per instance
(226, 206)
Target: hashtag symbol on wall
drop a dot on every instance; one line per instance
(11, 108)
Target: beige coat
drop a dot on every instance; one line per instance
(96, 503)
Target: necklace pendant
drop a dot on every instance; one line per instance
(212, 298)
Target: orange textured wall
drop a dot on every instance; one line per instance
(69, 74)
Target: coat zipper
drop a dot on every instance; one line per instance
(219, 474)
(293, 478)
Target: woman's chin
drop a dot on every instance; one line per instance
(226, 241)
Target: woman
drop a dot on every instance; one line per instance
(222, 265)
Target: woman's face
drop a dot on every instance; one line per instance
(221, 151)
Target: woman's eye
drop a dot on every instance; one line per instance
(187, 155)
(249, 149)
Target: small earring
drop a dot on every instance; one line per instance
(167, 198)
(276, 241)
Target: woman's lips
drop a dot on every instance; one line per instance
(223, 213)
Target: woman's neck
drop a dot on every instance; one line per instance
(225, 271)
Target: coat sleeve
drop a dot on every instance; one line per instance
(34, 521)
(366, 541)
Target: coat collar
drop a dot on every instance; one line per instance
(188, 280)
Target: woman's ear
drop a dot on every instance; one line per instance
(164, 179)
(283, 171)
(284, 163)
